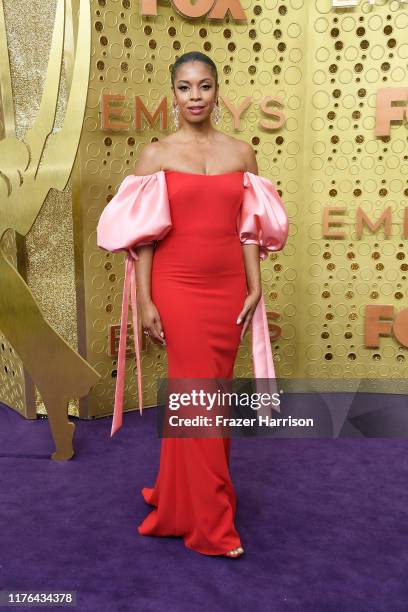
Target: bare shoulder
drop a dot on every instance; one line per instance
(246, 154)
(149, 159)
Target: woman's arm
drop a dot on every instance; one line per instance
(251, 260)
(148, 164)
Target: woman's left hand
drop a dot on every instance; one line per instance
(247, 312)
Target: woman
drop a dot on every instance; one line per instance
(197, 219)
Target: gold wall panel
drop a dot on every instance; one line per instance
(131, 56)
(351, 55)
(326, 67)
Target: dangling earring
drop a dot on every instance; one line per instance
(175, 111)
(216, 114)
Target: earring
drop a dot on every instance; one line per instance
(175, 111)
(216, 114)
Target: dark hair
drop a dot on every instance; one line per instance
(189, 57)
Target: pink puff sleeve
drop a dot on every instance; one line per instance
(139, 214)
(262, 220)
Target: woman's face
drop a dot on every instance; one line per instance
(195, 91)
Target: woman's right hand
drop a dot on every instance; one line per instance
(151, 322)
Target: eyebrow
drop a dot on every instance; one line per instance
(185, 81)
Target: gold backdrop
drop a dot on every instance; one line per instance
(323, 68)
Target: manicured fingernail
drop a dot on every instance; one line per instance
(238, 320)
(162, 334)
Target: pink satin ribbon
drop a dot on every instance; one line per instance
(261, 346)
(129, 284)
(264, 370)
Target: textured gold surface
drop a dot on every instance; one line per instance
(50, 271)
(42, 158)
(12, 382)
(350, 55)
(131, 56)
(326, 65)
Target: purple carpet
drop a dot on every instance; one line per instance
(323, 522)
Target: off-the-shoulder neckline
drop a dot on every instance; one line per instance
(164, 172)
(200, 174)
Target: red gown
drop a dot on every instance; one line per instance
(197, 223)
(199, 288)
